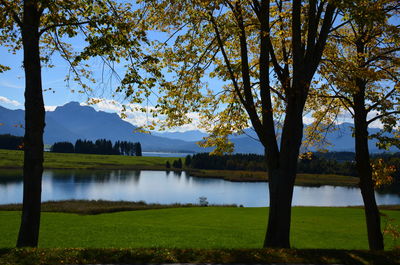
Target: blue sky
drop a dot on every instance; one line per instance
(12, 90)
(12, 85)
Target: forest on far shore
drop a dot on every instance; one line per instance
(100, 146)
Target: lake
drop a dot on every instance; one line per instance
(170, 187)
(165, 154)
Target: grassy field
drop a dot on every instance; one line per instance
(198, 227)
(13, 159)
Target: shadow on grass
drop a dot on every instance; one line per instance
(224, 256)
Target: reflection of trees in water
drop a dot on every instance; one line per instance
(136, 175)
(392, 189)
(178, 174)
(10, 176)
(185, 177)
(93, 176)
(205, 181)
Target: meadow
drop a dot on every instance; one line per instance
(198, 227)
(122, 232)
(14, 159)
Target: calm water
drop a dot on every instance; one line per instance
(165, 154)
(172, 187)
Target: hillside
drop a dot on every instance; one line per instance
(73, 121)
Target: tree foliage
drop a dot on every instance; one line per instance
(237, 42)
(41, 28)
(361, 69)
(364, 55)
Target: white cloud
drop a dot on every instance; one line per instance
(139, 118)
(106, 105)
(308, 119)
(345, 117)
(11, 85)
(377, 123)
(50, 108)
(10, 101)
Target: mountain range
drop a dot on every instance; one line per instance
(73, 121)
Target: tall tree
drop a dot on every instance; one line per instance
(237, 41)
(40, 27)
(362, 68)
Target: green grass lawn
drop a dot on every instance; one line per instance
(199, 227)
(14, 159)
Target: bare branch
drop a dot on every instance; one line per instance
(378, 56)
(372, 107)
(339, 26)
(382, 115)
(226, 59)
(279, 94)
(62, 25)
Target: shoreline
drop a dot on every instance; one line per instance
(308, 180)
(93, 207)
(13, 160)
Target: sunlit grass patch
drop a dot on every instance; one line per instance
(198, 227)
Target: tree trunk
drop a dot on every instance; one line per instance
(34, 128)
(282, 178)
(364, 171)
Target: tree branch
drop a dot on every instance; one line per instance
(378, 56)
(323, 36)
(296, 34)
(62, 25)
(278, 69)
(383, 115)
(312, 25)
(226, 59)
(250, 106)
(13, 13)
(380, 101)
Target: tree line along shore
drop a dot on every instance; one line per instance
(250, 171)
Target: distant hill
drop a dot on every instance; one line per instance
(341, 139)
(193, 135)
(73, 121)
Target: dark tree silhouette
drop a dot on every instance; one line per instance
(188, 160)
(62, 147)
(138, 149)
(11, 142)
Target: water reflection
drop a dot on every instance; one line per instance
(170, 187)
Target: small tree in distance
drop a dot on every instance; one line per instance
(138, 149)
(62, 147)
(188, 160)
(177, 163)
